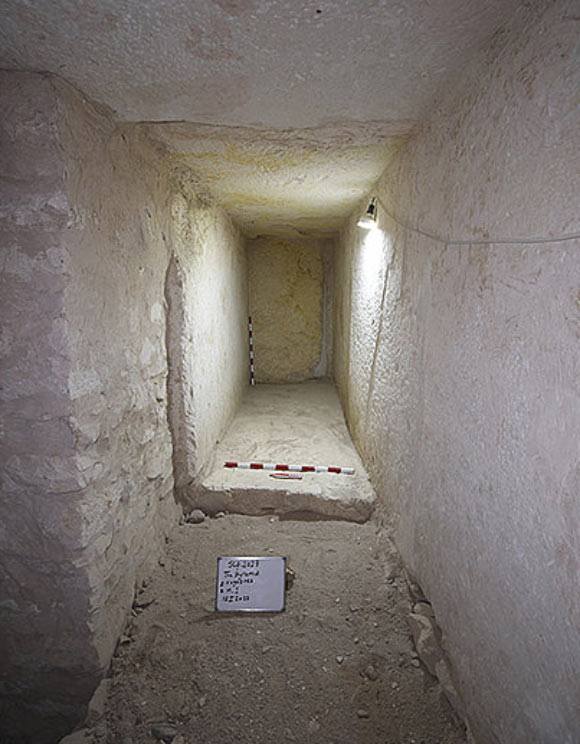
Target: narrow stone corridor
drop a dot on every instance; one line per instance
(336, 667)
(334, 235)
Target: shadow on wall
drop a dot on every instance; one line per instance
(42, 707)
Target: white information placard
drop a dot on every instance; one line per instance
(250, 584)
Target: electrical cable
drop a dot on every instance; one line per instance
(481, 241)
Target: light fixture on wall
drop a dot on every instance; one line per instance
(369, 219)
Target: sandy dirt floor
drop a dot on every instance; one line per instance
(336, 667)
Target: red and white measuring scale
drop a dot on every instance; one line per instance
(288, 468)
(250, 330)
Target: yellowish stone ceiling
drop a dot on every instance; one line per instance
(283, 182)
(286, 111)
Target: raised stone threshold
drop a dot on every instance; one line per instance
(299, 424)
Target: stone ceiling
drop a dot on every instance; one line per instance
(283, 182)
(286, 111)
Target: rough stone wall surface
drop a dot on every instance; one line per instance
(47, 664)
(458, 367)
(207, 295)
(286, 305)
(116, 254)
(86, 463)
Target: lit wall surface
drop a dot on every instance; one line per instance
(461, 390)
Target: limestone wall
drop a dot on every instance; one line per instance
(459, 368)
(44, 593)
(288, 297)
(116, 255)
(207, 296)
(86, 458)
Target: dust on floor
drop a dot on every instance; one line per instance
(336, 667)
(301, 424)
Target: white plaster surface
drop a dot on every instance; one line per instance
(299, 424)
(462, 391)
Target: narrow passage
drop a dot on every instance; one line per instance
(336, 667)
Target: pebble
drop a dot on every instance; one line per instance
(339, 659)
(416, 591)
(423, 608)
(100, 732)
(164, 732)
(394, 686)
(371, 673)
(195, 517)
(361, 713)
(415, 663)
(220, 514)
